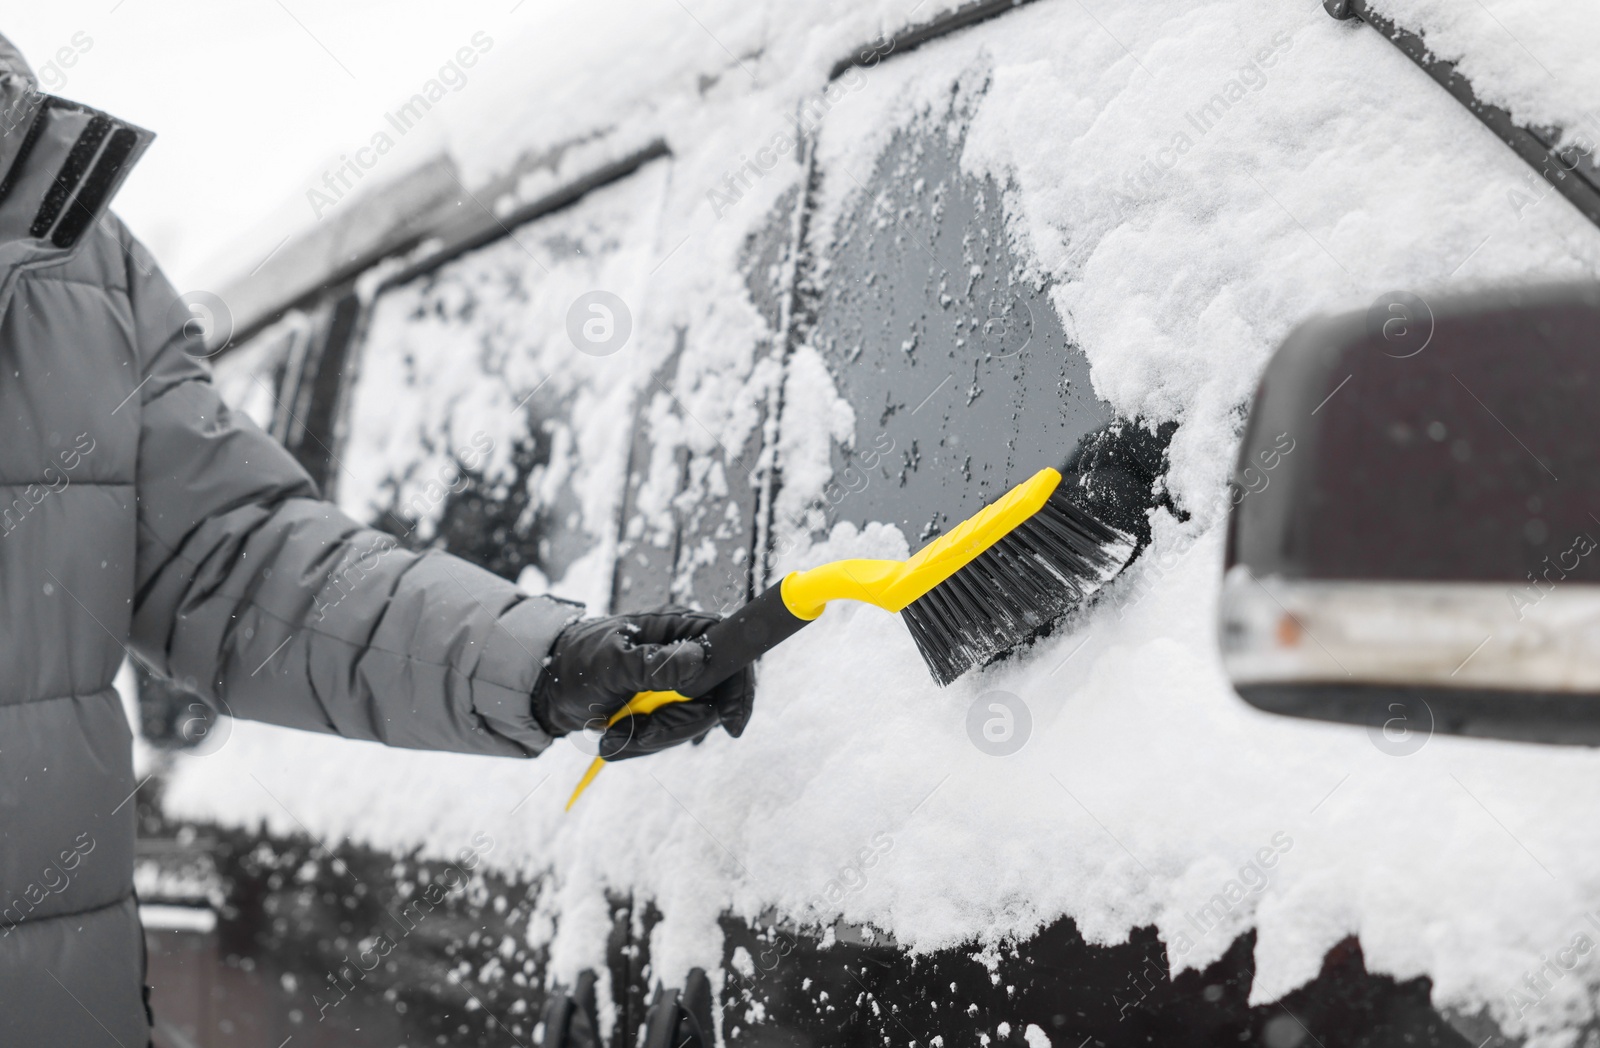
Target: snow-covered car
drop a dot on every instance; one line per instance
(818, 282)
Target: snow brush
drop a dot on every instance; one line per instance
(986, 586)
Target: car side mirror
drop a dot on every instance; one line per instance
(1415, 529)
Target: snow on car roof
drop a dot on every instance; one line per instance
(1181, 239)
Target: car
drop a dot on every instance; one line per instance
(653, 365)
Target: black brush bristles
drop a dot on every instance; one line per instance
(1042, 569)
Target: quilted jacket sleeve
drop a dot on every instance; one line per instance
(261, 596)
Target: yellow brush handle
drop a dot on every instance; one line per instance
(893, 584)
(642, 702)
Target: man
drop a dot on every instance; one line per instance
(139, 516)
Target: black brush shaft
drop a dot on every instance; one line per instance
(744, 637)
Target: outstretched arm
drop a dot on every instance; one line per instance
(253, 590)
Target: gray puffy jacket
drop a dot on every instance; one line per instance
(138, 512)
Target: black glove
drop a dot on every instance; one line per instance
(596, 666)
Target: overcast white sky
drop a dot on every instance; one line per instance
(252, 100)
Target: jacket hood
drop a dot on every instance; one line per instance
(19, 89)
(12, 64)
(60, 164)
(18, 100)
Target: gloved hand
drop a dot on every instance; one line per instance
(596, 666)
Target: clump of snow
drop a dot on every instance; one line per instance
(1181, 240)
(817, 419)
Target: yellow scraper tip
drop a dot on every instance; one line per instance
(642, 702)
(583, 783)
